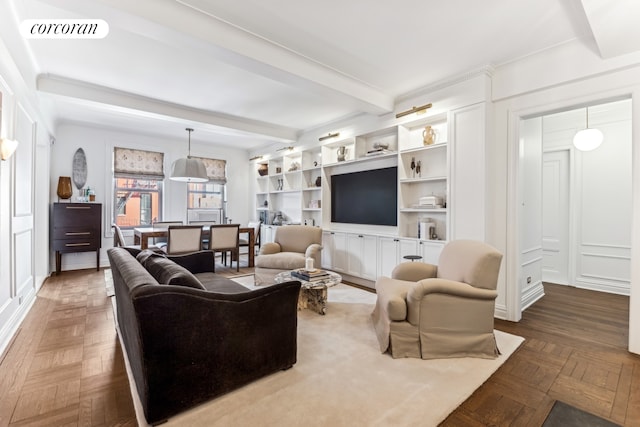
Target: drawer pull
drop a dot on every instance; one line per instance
(77, 233)
(77, 244)
(78, 207)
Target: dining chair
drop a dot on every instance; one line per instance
(256, 234)
(205, 226)
(184, 239)
(225, 238)
(119, 239)
(161, 242)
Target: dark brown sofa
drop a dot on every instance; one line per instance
(191, 335)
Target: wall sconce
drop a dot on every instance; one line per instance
(330, 135)
(418, 110)
(285, 148)
(255, 158)
(7, 147)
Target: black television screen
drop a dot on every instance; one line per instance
(366, 197)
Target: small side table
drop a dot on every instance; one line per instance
(313, 295)
(412, 257)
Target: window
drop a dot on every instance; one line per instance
(138, 182)
(137, 202)
(207, 201)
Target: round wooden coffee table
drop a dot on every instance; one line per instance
(313, 295)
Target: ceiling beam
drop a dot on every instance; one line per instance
(62, 86)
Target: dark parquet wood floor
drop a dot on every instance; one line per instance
(575, 351)
(65, 366)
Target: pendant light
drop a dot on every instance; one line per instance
(588, 139)
(188, 169)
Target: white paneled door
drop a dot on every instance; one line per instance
(555, 217)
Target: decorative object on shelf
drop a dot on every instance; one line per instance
(64, 187)
(419, 110)
(280, 186)
(342, 153)
(427, 229)
(278, 219)
(378, 149)
(329, 135)
(314, 204)
(7, 147)
(266, 203)
(309, 221)
(79, 170)
(428, 135)
(318, 181)
(315, 163)
(413, 167)
(263, 169)
(419, 168)
(189, 169)
(278, 169)
(294, 166)
(588, 139)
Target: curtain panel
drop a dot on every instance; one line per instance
(130, 163)
(216, 169)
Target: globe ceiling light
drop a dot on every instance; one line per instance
(188, 169)
(588, 139)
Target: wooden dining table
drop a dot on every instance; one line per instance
(141, 236)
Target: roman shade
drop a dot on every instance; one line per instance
(216, 169)
(130, 163)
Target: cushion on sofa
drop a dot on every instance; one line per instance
(168, 272)
(282, 260)
(146, 253)
(216, 283)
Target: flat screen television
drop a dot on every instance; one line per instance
(365, 197)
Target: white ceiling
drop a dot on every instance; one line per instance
(248, 73)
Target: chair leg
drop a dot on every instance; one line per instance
(238, 260)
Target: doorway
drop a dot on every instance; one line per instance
(585, 199)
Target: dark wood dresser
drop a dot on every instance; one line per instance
(76, 228)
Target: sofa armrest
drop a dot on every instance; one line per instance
(414, 271)
(270, 248)
(195, 262)
(461, 291)
(450, 287)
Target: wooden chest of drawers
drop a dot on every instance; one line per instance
(76, 228)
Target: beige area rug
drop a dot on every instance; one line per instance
(342, 379)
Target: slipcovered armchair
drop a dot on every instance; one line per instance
(440, 311)
(291, 246)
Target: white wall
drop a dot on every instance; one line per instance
(98, 144)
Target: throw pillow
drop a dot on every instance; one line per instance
(168, 272)
(145, 254)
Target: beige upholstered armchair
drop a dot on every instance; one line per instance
(291, 246)
(440, 311)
